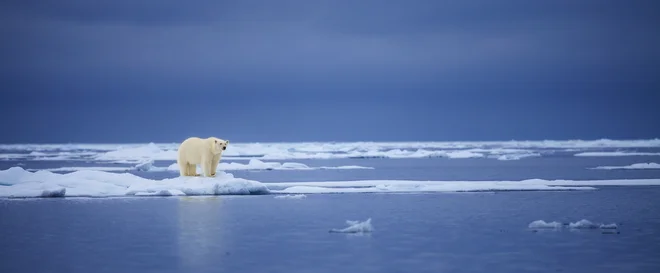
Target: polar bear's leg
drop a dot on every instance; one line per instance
(206, 165)
(183, 167)
(192, 170)
(214, 164)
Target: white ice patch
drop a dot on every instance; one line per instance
(255, 164)
(581, 224)
(21, 183)
(391, 186)
(605, 154)
(517, 156)
(637, 166)
(355, 227)
(146, 166)
(502, 150)
(543, 224)
(147, 152)
(291, 196)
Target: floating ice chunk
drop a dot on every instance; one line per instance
(544, 224)
(355, 227)
(291, 196)
(384, 186)
(609, 226)
(585, 224)
(463, 154)
(255, 164)
(145, 166)
(517, 156)
(594, 154)
(21, 183)
(150, 151)
(637, 166)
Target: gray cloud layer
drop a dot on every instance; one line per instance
(194, 44)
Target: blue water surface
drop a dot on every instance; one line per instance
(439, 232)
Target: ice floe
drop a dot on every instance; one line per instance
(502, 150)
(636, 166)
(355, 227)
(604, 154)
(17, 182)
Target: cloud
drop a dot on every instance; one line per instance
(158, 44)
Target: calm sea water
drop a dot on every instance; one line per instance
(450, 232)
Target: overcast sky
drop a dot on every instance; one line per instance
(309, 70)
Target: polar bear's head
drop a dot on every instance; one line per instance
(218, 145)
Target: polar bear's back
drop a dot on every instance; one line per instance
(192, 149)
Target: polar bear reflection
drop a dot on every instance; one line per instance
(202, 241)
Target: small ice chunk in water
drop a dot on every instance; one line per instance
(609, 226)
(291, 196)
(145, 166)
(583, 224)
(544, 224)
(355, 227)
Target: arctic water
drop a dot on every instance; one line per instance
(567, 206)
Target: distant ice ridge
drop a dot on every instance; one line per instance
(637, 166)
(544, 224)
(391, 186)
(17, 182)
(602, 154)
(255, 164)
(134, 153)
(355, 227)
(582, 224)
(146, 166)
(291, 196)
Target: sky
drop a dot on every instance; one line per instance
(310, 70)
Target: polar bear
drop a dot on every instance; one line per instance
(206, 152)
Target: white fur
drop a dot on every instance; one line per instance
(205, 152)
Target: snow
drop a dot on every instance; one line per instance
(593, 154)
(355, 227)
(502, 150)
(17, 182)
(584, 224)
(637, 166)
(517, 156)
(544, 224)
(150, 151)
(390, 186)
(291, 196)
(22, 183)
(146, 166)
(255, 164)
(581, 224)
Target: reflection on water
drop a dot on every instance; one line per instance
(201, 235)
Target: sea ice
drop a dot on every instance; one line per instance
(290, 196)
(355, 227)
(602, 154)
(255, 164)
(21, 183)
(544, 224)
(637, 166)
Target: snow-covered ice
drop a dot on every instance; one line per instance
(255, 164)
(544, 224)
(636, 166)
(21, 183)
(593, 154)
(502, 150)
(355, 227)
(581, 224)
(17, 182)
(291, 196)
